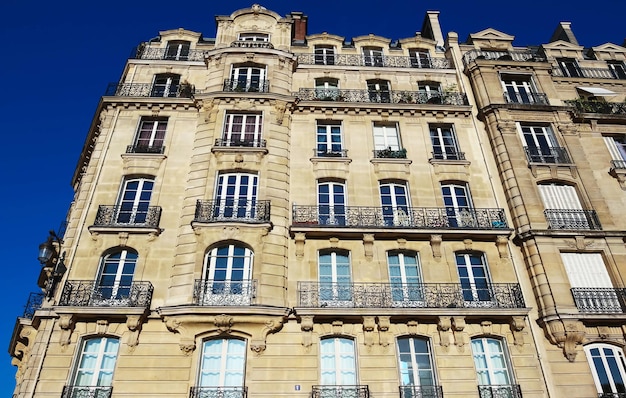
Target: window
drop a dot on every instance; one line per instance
(177, 50)
(242, 129)
(150, 136)
(458, 205)
(327, 89)
(379, 90)
(608, 368)
(262, 37)
(248, 78)
(236, 196)
(334, 279)
(591, 284)
(324, 55)
(395, 204)
(134, 202)
(618, 69)
(569, 67)
(373, 56)
(420, 58)
(417, 378)
(386, 136)
(223, 365)
(492, 365)
(165, 85)
(329, 139)
(444, 143)
(116, 276)
(331, 203)
(338, 362)
(541, 145)
(617, 148)
(518, 89)
(562, 207)
(94, 371)
(405, 278)
(474, 278)
(228, 275)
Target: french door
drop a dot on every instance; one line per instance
(236, 196)
(134, 201)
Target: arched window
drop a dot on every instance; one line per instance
(165, 85)
(331, 202)
(338, 362)
(228, 272)
(94, 369)
(334, 278)
(395, 203)
(133, 206)
(222, 368)
(493, 369)
(415, 363)
(116, 276)
(236, 196)
(608, 368)
(247, 78)
(458, 204)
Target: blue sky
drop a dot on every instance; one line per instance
(58, 58)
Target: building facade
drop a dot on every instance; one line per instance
(276, 214)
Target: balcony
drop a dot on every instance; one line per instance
(412, 391)
(618, 164)
(246, 143)
(409, 295)
(526, 98)
(500, 391)
(136, 148)
(455, 155)
(208, 292)
(90, 294)
(340, 392)
(247, 86)
(602, 107)
(122, 216)
(587, 73)
(381, 61)
(232, 210)
(150, 90)
(390, 97)
(600, 300)
(218, 392)
(551, 155)
(389, 153)
(251, 44)
(398, 217)
(86, 392)
(515, 55)
(612, 395)
(35, 301)
(328, 153)
(154, 53)
(572, 219)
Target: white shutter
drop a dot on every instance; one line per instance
(586, 270)
(610, 144)
(562, 197)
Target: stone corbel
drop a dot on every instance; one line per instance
(468, 244)
(102, 327)
(280, 107)
(368, 245)
(384, 322)
(486, 326)
(506, 126)
(223, 323)
(458, 325)
(259, 343)
(412, 327)
(501, 244)
(306, 325)
(133, 323)
(66, 323)
(300, 239)
(567, 335)
(517, 326)
(435, 245)
(443, 326)
(369, 324)
(123, 237)
(187, 343)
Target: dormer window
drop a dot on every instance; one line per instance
(262, 37)
(569, 67)
(420, 58)
(373, 56)
(177, 50)
(617, 69)
(324, 55)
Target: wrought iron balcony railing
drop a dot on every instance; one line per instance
(35, 301)
(361, 391)
(251, 44)
(500, 391)
(225, 142)
(398, 217)
(600, 300)
(391, 97)
(389, 153)
(448, 155)
(145, 149)
(618, 164)
(150, 90)
(328, 153)
(552, 155)
(91, 294)
(587, 73)
(218, 392)
(229, 209)
(86, 392)
(612, 395)
(123, 216)
(247, 86)
(526, 98)
(154, 53)
(224, 293)
(377, 60)
(609, 108)
(412, 391)
(572, 219)
(409, 295)
(515, 55)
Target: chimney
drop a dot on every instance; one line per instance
(564, 32)
(299, 28)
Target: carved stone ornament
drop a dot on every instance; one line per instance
(306, 325)
(435, 245)
(567, 334)
(300, 239)
(223, 323)
(458, 325)
(66, 323)
(501, 244)
(384, 322)
(443, 326)
(133, 323)
(368, 245)
(517, 326)
(337, 327)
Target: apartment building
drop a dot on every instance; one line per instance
(272, 213)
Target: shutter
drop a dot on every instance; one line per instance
(586, 270)
(559, 197)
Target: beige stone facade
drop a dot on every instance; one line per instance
(276, 214)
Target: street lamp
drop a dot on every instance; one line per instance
(53, 266)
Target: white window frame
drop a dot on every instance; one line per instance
(215, 365)
(406, 289)
(151, 131)
(618, 363)
(444, 141)
(169, 86)
(540, 142)
(457, 201)
(324, 54)
(476, 289)
(420, 58)
(327, 88)
(410, 372)
(104, 348)
(336, 214)
(139, 208)
(230, 206)
(386, 135)
(335, 285)
(339, 351)
(395, 213)
(618, 69)
(326, 132)
(181, 50)
(255, 76)
(373, 56)
(519, 88)
(221, 285)
(616, 144)
(491, 374)
(123, 273)
(569, 67)
(233, 138)
(254, 36)
(379, 90)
